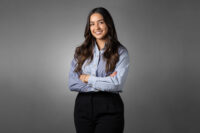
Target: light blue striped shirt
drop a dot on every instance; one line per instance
(99, 80)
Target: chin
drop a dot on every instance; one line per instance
(100, 37)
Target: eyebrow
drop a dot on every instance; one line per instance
(97, 20)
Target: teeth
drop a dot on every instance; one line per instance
(98, 32)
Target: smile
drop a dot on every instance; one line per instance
(98, 33)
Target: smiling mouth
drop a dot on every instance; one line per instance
(98, 32)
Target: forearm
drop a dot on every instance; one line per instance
(74, 83)
(78, 87)
(105, 83)
(110, 83)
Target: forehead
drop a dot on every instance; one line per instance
(96, 17)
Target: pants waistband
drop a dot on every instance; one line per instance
(103, 93)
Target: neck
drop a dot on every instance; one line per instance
(100, 43)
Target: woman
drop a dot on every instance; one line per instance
(98, 72)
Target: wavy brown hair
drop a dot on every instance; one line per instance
(85, 50)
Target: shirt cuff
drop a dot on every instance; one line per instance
(92, 81)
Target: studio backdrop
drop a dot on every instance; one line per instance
(37, 43)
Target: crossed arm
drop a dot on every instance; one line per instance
(84, 77)
(113, 82)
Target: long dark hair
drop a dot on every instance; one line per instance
(85, 50)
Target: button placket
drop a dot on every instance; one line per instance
(94, 66)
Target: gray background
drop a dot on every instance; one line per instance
(37, 43)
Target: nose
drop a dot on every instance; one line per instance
(97, 26)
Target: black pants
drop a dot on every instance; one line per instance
(99, 112)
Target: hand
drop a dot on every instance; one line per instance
(113, 74)
(84, 78)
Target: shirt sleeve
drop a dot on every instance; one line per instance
(116, 83)
(74, 82)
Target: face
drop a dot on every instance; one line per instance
(98, 26)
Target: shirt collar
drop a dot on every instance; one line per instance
(97, 49)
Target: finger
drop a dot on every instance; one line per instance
(84, 78)
(81, 78)
(113, 74)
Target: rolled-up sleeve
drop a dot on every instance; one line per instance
(116, 83)
(74, 83)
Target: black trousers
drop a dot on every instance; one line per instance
(99, 112)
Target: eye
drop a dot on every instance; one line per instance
(91, 24)
(101, 22)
